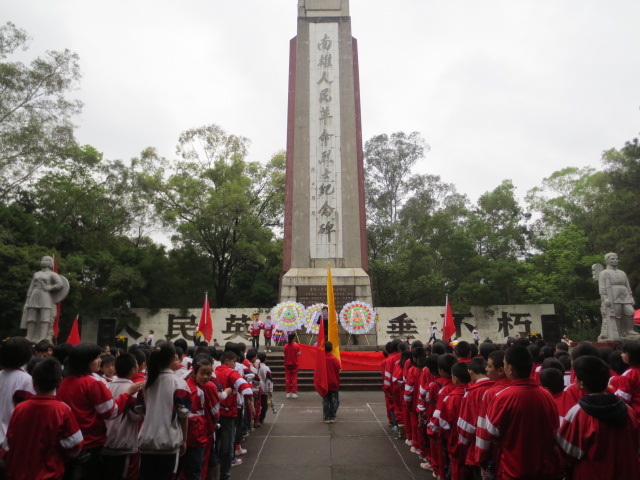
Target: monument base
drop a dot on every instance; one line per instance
(305, 285)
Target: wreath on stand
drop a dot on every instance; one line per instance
(357, 318)
(288, 316)
(311, 315)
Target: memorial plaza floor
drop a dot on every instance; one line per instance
(294, 443)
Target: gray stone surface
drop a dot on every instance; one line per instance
(294, 443)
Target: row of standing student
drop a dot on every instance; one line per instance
(503, 415)
(182, 418)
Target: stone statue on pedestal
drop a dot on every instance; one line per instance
(47, 288)
(616, 301)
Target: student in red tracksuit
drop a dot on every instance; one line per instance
(451, 407)
(438, 451)
(629, 382)
(268, 333)
(331, 401)
(387, 372)
(291, 353)
(92, 404)
(572, 393)
(430, 385)
(229, 378)
(42, 432)
(600, 435)
(520, 416)
(489, 461)
(397, 387)
(469, 411)
(411, 393)
(551, 379)
(197, 429)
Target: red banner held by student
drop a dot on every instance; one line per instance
(206, 323)
(320, 380)
(449, 328)
(74, 335)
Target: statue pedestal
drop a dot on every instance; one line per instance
(309, 285)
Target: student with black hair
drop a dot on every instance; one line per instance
(266, 386)
(451, 407)
(107, 368)
(43, 431)
(440, 461)
(495, 373)
(291, 353)
(229, 378)
(165, 403)
(485, 349)
(470, 410)
(599, 435)
(43, 349)
(520, 416)
(411, 393)
(122, 432)
(15, 384)
(430, 385)
(463, 351)
(552, 380)
(92, 403)
(387, 373)
(572, 393)
(397, 388)
(629, 382)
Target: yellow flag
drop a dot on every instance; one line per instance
(333, 318)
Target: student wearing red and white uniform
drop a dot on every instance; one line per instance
(197, 432)
(43, 431)
(229, 378)
(291, 353)
(600, 435)
(122, 432)
(438, 445)
(92, 403)
(451, 407)
(268, 328)
(165, 403)
(254, 331)
(430, 385)
(411, 395)
(485, 453)
(387, 372)
(15, 384)
(629, 382)
(397, 387)
(331, 401)
(521, 415)
(470, 409)
(572, 393)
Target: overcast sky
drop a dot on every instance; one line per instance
(498, 89)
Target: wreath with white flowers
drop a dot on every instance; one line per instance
(311, 315)
(357, 318)
(288, 316)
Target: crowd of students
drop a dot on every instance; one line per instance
(517, 411)
(156, 412)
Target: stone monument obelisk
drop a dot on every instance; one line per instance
(324, 206)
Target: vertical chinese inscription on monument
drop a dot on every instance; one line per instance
(325, 221)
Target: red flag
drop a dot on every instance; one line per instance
(74, 335)
(206, 323)
(320, 380)
(448, 328)
(56, 321)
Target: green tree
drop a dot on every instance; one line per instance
(219, 204)
(389, 161)
(35, 113)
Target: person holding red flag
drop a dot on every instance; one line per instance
(205, 327)
(448, 328)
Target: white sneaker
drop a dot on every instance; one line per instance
(235, 462)
(409, 442)
(240, 451)
(415, 450)
(288, 395)
(426, 466)
(294, 395)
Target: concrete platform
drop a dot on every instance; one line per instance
(295, 443)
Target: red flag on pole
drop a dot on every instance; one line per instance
(206, 323)
(448, 328)
(320, 380)
(56, 320)
(74, 335)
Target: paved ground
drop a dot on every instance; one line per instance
(294, 443)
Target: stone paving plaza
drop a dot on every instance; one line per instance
(294, 443)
